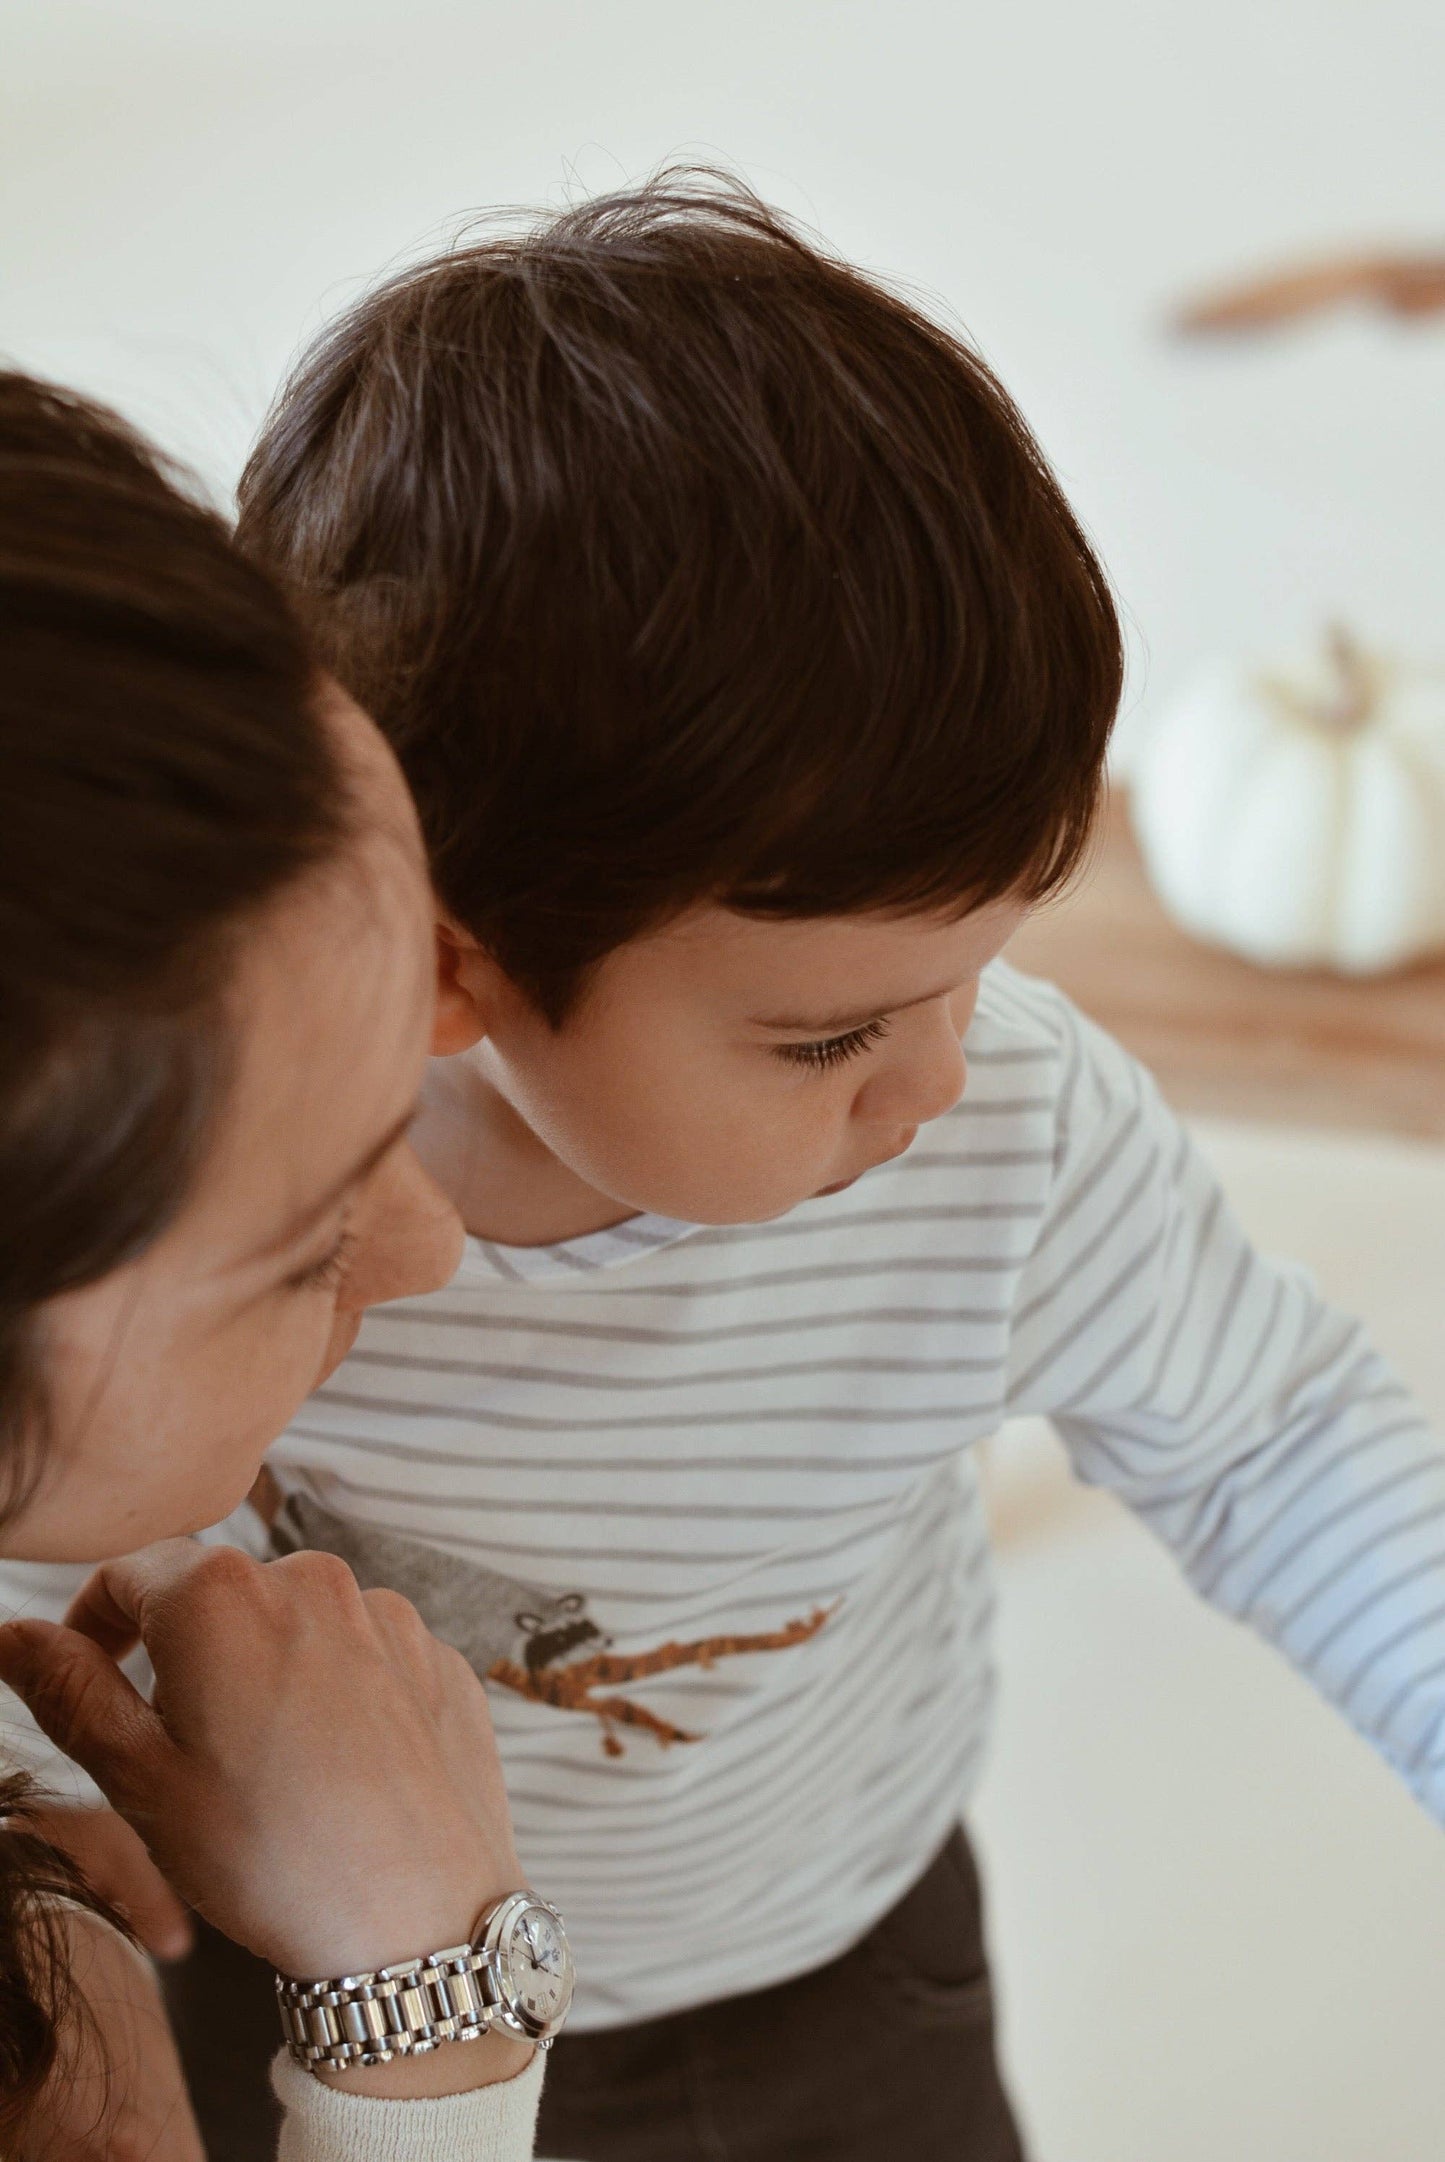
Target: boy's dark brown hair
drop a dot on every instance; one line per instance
(682, 562)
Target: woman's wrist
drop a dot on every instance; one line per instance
(385, 1926)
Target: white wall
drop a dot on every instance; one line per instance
(190, 187)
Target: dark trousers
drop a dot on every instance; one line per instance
(890, 2046)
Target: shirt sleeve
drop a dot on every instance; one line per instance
(323, 2123)
(1250, 1424)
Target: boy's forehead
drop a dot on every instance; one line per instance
(783, 972)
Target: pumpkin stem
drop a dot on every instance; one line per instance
(1353, 700)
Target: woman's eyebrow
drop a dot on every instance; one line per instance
(315, 1210)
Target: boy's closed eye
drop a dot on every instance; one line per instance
(826, 1052)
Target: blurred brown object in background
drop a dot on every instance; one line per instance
(1400, 284)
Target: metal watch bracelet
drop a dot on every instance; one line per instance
(402, 2011)
(405, 2010)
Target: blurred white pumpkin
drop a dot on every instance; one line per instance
(1299, 818)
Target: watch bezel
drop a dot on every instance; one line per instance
(497, 1937)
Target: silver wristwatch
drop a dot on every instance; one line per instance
(516, 1974)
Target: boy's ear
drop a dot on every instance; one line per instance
(466, 983)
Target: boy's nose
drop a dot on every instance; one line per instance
(408, 1236)
(919, 1090)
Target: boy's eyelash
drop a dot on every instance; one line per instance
(330, 1271)
(835, 1050)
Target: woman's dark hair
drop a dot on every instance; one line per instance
(36, 1999)
(164, 771)
(682, 562)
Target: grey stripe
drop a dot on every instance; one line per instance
(1416, 1626)
(1108, 1297)
(1022, 1001)
(1069, 1083)
(1264, 1334)
(535, 1423)
(1301, 1444)
(1223, 1316)
(1005, 1107)
(921, 1212)
(1422, 1756)
(697, 1609)
(1248, 1360)
(1183, 1151)
(499, 1261)
(622, 1466)
(1085, 1392)
(1427, 1566)
(1353, 1505)
(706, 1377)
(819, 1272)
(1310, 1418)
(563, 1562)
(611, 1332)
(1198, 1229)
(1142, 1444)
(1028, 1309)
(1410, 1687)
(1017, 1055)
(971, 1159)
(555, 1506)
(1345, 1566)
(1069, 1204)
(567, 1257)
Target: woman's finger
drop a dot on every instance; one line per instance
(111, 1606)
(81, 1700)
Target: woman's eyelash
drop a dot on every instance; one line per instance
(329, 1272)
(835, 1050)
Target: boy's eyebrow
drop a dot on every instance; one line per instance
(839, 1024)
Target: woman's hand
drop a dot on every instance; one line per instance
(316, 1774)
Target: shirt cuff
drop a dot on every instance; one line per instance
(325, 2124)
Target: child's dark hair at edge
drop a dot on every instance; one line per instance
(683, 563)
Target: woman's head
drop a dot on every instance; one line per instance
(215, 982)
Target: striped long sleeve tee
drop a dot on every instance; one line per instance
(701, 1502)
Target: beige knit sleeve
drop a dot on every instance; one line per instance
(325, 2124)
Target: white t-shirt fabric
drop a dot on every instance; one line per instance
(701, 1502)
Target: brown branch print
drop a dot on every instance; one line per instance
(570, 1688)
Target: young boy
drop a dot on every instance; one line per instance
(754, 678)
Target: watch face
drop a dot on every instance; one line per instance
(537, 1965)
